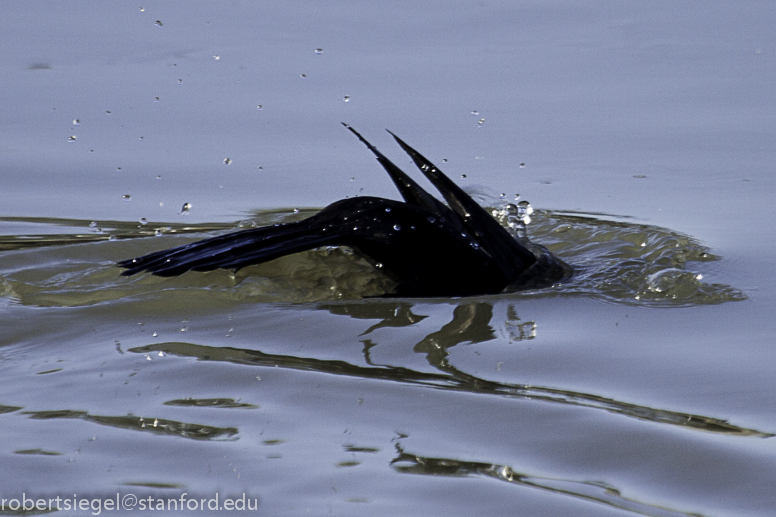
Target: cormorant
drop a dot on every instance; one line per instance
(428, 248)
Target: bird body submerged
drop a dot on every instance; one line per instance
(428, 248)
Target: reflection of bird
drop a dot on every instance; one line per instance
(428, 248)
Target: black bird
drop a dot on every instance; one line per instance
(428, 248)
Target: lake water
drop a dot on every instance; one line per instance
(643, 135)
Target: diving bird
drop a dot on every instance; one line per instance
(430, 249)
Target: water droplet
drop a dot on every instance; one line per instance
(158, 232)
(142, 9)
(158, 23)
(296, 210)
(216, 57)
(474, 245)
(502, 195)
(352, 180)
(346, 98)
(156, 99)
(154, 334)
(76, 122)
(227, 161)
(185, 209)
(113, 238)
(143, 221)
(303, 76)
(387, 209)
(481, 122)
(463, 176)
(158, 177)
(126, 197)
(261, 168)
(475, 112)
(93, 224)
(517, 197)
(379, 265)
(71, 139)
(397, 227)
(522, 165)
(259, 107)
(180, 81)
(319, 51)
(699, 277)
(444, 160)
(140, 138)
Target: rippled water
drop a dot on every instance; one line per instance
(642, 386)
(237, 377)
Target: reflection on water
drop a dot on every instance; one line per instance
(151, 425)
(470, 324)
(613, 260)
(594, 491)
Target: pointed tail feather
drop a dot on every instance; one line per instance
(505, 249)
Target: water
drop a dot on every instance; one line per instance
(641, 135)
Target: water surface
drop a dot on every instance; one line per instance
(643, 136)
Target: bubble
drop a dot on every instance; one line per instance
(352, 180)
(93, 224)
(216, 57)
(522, 165)
(158, 232)
(475, 112)
(397, 227)
(259, 107)
(303, 76)
(346, 98)
(143, 221)
(142, 9)
(156, 99)
(113, 238)
(71, 139)
(319, 51)
(126, 197)
(158, 177)
(480, 122)
(227, 161)
(107, 112)
(180, 81)
(158, 23)
(463, 176)
(76, 122)
(387, 209)
(296, 210)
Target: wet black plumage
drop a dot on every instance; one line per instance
(427, 247)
